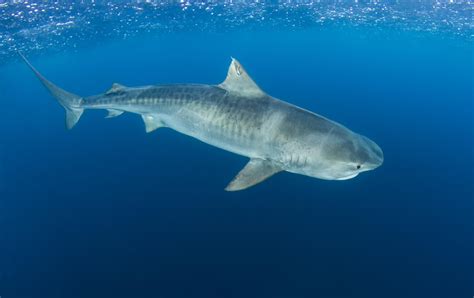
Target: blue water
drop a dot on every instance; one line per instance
(106, 210)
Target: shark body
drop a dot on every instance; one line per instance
(239, 117)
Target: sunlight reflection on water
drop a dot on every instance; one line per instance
(37, 25)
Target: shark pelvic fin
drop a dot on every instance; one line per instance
(115, 88)
(256, 171)
(113, 113)
(151, 122)
(238, 81)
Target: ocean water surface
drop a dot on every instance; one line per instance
(107, 210)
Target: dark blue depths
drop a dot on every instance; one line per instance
(106, 210)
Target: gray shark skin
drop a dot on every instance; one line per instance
(239, 117)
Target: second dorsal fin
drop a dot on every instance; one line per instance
(238, 81)
(115, 88)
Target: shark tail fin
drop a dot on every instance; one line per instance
(70, 102)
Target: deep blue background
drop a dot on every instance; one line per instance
(106, 210)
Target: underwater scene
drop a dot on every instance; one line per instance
(280, 149)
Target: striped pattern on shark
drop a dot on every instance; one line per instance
(239, 117)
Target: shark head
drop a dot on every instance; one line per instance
(340, 155)
(346, 154)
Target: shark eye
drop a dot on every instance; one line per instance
(358, 167)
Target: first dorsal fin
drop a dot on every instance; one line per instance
(115, 88)
(238, 81)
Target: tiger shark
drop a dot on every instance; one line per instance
(238, 116)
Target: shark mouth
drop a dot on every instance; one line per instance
(348, 177)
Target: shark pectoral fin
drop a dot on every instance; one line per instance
(239, 82)
(253, 173)
(152, 122)
(113, 113)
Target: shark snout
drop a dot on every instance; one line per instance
(375, 155)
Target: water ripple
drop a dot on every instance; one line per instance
(55, 25)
